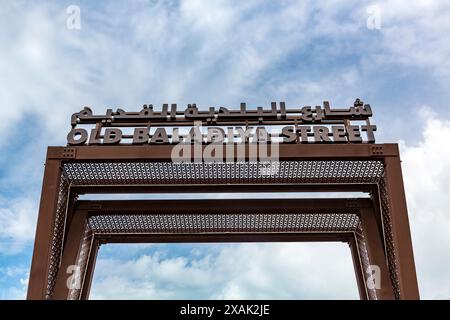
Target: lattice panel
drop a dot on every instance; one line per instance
(57, 236)
(387, 224)
(111, 173)
(214, 223)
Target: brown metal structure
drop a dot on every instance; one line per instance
(69, 231)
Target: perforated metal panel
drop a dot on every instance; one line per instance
(364, 256)
(110, 173)
(387, 224)
(57, 236)
(214, 223)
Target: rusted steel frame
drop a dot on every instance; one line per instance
(89, 271)
(373, 239)
(370, 249)
(218, 237)
(164, 152)
(83, 209)
(75, 263)
(385, 154)
(401, 230)
(358, 267)
(40, 264)
(75, 234)
(223, 188)
(224, 205)
(376, 254)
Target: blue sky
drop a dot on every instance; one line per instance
(221, 53)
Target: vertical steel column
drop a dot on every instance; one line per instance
(400, 229)
(40, 264)
(89, 273)
(359, 270)
(376, 253)
(71, 250)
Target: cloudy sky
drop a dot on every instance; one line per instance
(392, 54)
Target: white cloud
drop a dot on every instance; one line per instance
(17, 224)
(210, 53)
(413, 33)
(18, 290)
(426, 167)
(237, 271)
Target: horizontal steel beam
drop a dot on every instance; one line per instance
(221, 205)
(224, 237)
(223, 188)
(163, 153)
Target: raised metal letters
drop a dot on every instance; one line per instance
(301, 125)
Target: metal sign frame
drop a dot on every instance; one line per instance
(60, 209)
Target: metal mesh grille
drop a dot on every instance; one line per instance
(364, 256)
(57, 236)
(213, 223)
(387, 224)
(109, 173)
